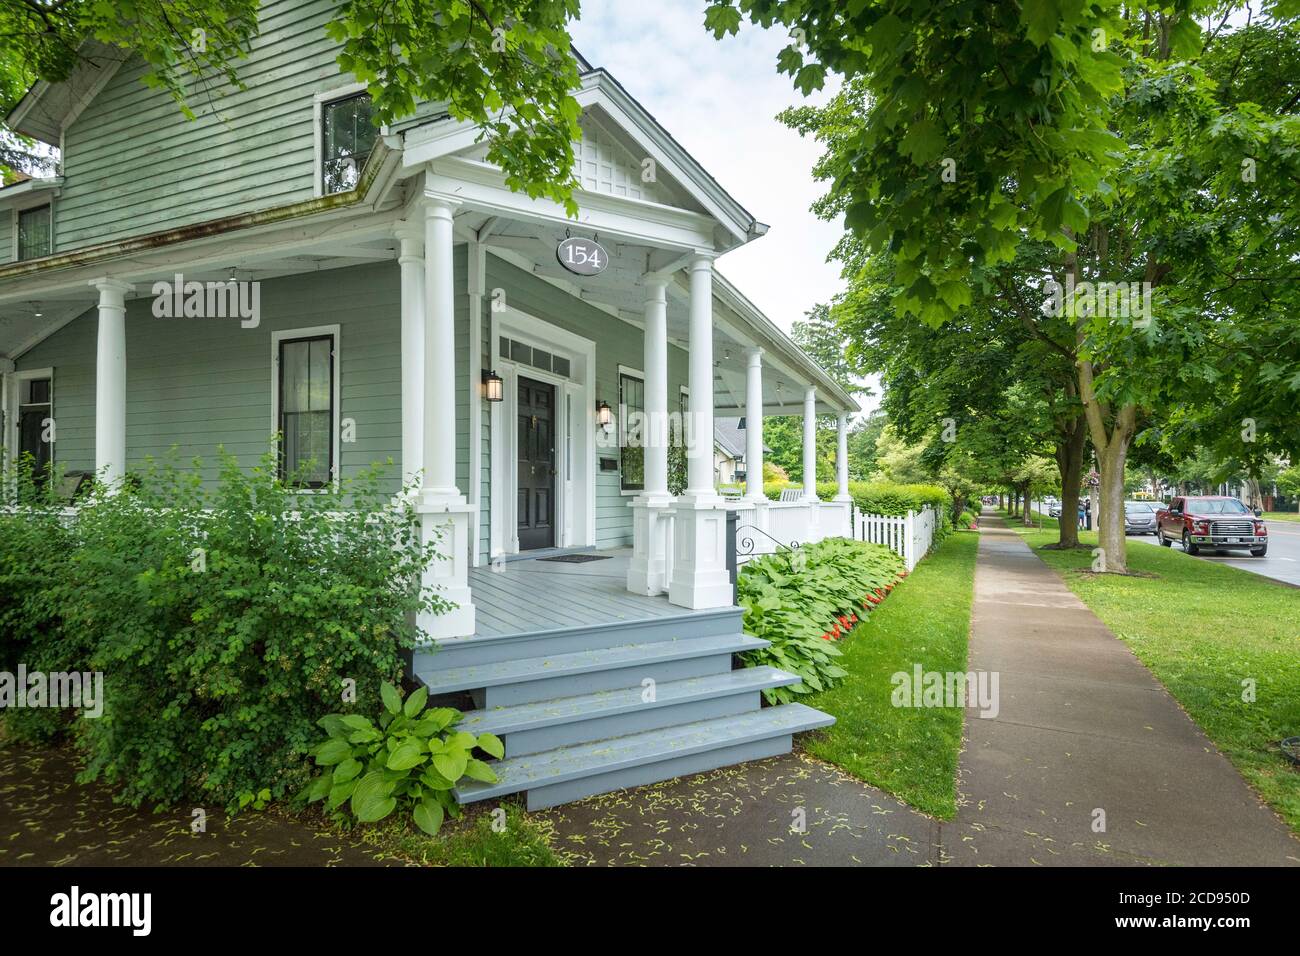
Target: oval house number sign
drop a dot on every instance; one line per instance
(584, 257)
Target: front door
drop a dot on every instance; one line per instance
(536, 471)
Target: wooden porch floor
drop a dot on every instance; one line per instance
(531, 595)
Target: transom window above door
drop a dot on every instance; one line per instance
(535, 357)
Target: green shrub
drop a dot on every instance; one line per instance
(803, 600)
(227, 621)
(412, 760)
(876, 497)
(35, 545)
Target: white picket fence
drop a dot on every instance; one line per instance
(909, 536)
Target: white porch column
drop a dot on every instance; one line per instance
(446, 517)
(411, 260)
(699, 452)
(754, 425)
(842, 459)
(810, 444)
(110, 381)
(647, 572)
(699, 570)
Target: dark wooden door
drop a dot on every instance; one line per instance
(536, 464)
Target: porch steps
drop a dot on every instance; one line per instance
(572, 705)
(530, 679)
(544, 725)
(464, 651)
(571, 773)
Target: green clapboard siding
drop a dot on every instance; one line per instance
(617, 343)
(133, 164)
(196, 384)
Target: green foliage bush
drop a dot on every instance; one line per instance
(876, 497)
(412, 760)
(227, 621)
(805, 599)
(35, 545)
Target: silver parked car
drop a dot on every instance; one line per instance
(1140, 517)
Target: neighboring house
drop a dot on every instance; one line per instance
(277, 265)
(729, 451)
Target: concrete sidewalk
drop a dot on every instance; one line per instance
(1084, 726)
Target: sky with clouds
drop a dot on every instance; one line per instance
(719, 99)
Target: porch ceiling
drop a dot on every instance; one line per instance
(33, 308)
(620, 290)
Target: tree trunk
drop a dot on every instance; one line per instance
(1029, 509)
(1069, 461)
(1111, 431)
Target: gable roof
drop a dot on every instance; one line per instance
(730, 437)
(47, 109)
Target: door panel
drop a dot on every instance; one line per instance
(536, 465)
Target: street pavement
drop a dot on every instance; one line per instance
(1282, 563)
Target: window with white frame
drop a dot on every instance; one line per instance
(347, 137)
(35, 421)
(306, 391)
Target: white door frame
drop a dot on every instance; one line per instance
(575, 498)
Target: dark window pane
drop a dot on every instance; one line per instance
(347, 137)
(306, 410)
(34, 233)
(631, 426)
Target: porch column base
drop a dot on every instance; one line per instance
(700, 579)
(446, 523)
(648, 571)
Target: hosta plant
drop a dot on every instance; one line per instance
(802, 600)
(408, 762)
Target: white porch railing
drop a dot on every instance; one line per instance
(910, 536)
(768, 527)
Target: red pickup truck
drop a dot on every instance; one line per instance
(1212, 522)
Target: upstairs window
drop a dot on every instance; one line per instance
(34, 232)
(347, 136)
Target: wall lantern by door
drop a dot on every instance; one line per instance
(492, 386)
(604, 416)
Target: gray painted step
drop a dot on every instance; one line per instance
(569, 773)
(458, 652)
(627, 656)
(544, 725)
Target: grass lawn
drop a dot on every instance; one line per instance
(517, 840)
(1203, 629)
(1281, 516)
(911, 752)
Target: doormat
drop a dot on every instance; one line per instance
(577, 558)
